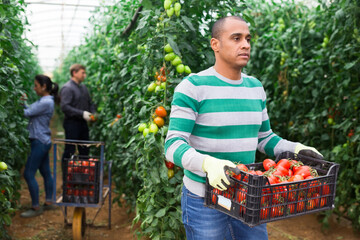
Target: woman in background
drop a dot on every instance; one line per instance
(39, 114)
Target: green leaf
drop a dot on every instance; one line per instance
(147, 4)
(173, 45)
(350, 65)
(187, 21)
(160, 213)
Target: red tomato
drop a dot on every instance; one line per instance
(273, 179)
(241, 195)
(314, 187)
(76, 192)
(213, 198)
(161, 112)
(169, 164)
(258, 172)
(281, 171)
(325, 189)
(91, 193)
(280, 194)
(284, 162)
(304, 171)
(264, 213)
(242, 167)
(290, 173)
(85, 163)
(268, 163)
(69, 192)
(84, 192)
(300, 206)
(277, 211)
(296, 178)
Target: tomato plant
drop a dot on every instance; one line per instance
(123, 65)
(18, 69)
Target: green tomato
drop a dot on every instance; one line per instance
(180, 68)
(177, 7)
(3, 166)
(146, 132)
(330, 121)
(157, 88)
(177, 13)
(142, 126)
(167, 4)
(176, 61)
(169, 57)
(153, 128)
(170, 12)
(151, 87)
(163, 85)
(187, 69)
(170, 173)
(168, 48)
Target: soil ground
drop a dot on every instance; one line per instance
(50, 225)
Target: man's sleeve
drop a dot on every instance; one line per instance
(268, 142)
(184, 111)
(65, 104)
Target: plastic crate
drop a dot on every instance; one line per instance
(81, 179)
(81, 169)
(254, 201)
(81, 193)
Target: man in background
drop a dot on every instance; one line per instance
(78, 108)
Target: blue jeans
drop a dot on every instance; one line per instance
(203, 223)
(38, 159)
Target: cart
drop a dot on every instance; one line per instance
(82, 185)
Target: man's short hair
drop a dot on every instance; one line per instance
(218, 26)
(75, 68)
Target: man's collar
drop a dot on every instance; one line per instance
(75, 82)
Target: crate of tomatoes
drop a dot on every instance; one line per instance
(290, 186)
(81, 179)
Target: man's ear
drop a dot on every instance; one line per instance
(214, 44)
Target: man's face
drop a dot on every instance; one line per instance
(79, 75)
(233, 47)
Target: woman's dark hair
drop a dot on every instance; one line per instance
(51, 87)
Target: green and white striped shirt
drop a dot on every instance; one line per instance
(223, 118)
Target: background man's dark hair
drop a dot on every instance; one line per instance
(75, 68)
(217, 28)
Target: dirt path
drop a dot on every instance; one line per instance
(50, 225)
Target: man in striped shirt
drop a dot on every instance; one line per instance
(218, 118)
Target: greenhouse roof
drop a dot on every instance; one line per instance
(56, 26)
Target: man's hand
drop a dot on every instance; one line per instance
(215, 169)
(87, 116)
(308, 151)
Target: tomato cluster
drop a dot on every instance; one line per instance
(291, 187)
(80, 180)
(116, 119)
(83, 170)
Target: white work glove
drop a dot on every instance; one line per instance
(87, 116)
(215, 169)
(308, 151)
